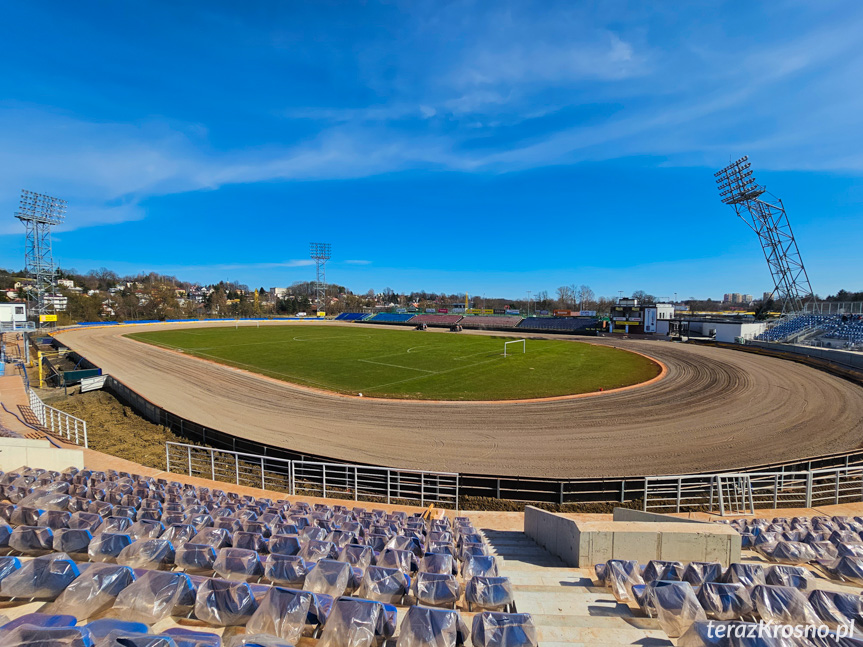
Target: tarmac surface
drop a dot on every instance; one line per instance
(715, 409)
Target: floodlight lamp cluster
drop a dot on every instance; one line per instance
(321, 251)
(736, 183)
(41, 208)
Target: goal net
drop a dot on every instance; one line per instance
(508, 349)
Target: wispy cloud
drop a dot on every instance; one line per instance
(354, 262)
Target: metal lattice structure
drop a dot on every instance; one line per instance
(767, 218)
(40, 213)
(320, 253)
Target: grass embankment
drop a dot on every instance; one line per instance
(403, 363)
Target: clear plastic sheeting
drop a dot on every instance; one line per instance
(46, 499)
(73, 541)
(404, 560)
(381, 584)
(315, 550)
(745, 574)
(41, 578)
(675, 605)
(357, 556)
(154, 596)
(791, 552)
(621, 576)
(94, 591)
(32, 540)
(282, 613)
(286, 570)
(120, 638)
(785, 575)
(437, 563)
(328, 576)
(357, 623)
(696, 573)
(483, 565)
(492, 593)
(437, 590)
(238, 564)
(658, 569)
(195, 558)
(848, 569)
(30, 636)
(424, 627)
(224, 603)
(491, 629)
(725, 601)
(834, 608)
(152, 554)
(782, 605)
(256, 640)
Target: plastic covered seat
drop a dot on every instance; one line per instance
(786, 575)
(382, 584)
(659, 569)
(404, 560)
(493, 629)
(224, 603)
(621, 576)
(215, 537)
(154, 596)
(357, 555)
(437, 589)
(835, 609)
(146, 529)
(94, 590)
(238, 564)
(41, 620)
(711, 633)
(482, 565)
(792, 552)
(41, 578)
(286, 570)
(675, 606)
(722, 601)
(402, 542)
(106, 546)
(115, 524)
(250, 541)
(5, 533)
(188, 638)
(848, 569)
(30, 636)
(696, 573)
(354, 622)
(148, 553)
(282, 613)
(746, 574)
(284, 544)
(8, 564)
(330, 577)
(25, 516)
(423, 627)
(104, 626)
(32, 540)
(438, 563)
(195, 558)
(73, 541)
(315, 550)
(782, 605)
(179, 533)
(54, 519)
(492, 593)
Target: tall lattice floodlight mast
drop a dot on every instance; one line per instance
(767, 218)
(320, 253)
(39, 213)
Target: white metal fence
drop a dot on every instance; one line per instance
(59, 422)
(308, 478)
(802, 489)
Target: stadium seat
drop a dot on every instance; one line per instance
(354, 622)
(491, 593)
(73, 541)
(195, 558)
(437, 589)
(41, 578)
(148, 553)
(95, 590)
(102, 627)
(314, 550)
(286, 570)
(250, 541)
(238, 564)
(492, 629)
(188, 638)
(30, 636)
(179, 533)
(389, 585)
(105, 547)
(32, 540)
(357, 556)
(782, 605)
(44, 620)
(404, 560)
(483, 565)
(87, 520)
(282, 613)
(224, 603)
(155, 595)
(696, 573)
(423, 627)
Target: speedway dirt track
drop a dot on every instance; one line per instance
(715, 409)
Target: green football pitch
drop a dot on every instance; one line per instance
(403, 363)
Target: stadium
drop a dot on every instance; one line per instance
(189, 461)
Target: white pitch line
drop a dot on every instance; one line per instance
(419, 377)
(410, 368)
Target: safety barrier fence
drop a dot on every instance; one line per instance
(59, 422)
(776, 489)
(310, 478)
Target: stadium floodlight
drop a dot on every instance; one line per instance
(320, 253)
(767, 218)
(39, 213)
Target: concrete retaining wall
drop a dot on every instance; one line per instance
(628, 514)
(17, 452)
(585, 543)
(845, 358)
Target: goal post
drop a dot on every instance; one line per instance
(506, 344)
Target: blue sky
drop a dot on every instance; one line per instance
(488, 147)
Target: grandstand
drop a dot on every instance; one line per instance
(352, 316)
(795, 327)
(390, 318)
(491, 322)
(436, 320)
(557, 324)
(845, 328)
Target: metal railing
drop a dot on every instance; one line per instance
(779, 489)
(312, 478)
(59, 422)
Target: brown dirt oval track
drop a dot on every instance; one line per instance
(715, 409)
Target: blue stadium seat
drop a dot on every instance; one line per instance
(491, 629)
(282, 613)
(94, 590)
(74, 541)
(286, 570)
(238, 564)
(188, 638)
(32, 540)
(437, 589)
(44, 620)
(88, 520)
(104, 626)
(382, 584)
(106, 546)
(224, 603)
(30, 636)
(492, 593)
(8, 565)
(195, 558)
(156, 595)
(148, 553)
(250, 541)
(423, 627)
(355, 622)
(41, 578)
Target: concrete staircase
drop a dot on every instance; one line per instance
(566, 607)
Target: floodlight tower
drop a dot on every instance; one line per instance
(320, 253)
(39, 213)
(767, 218)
